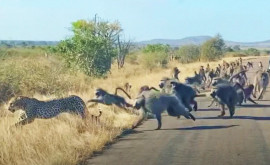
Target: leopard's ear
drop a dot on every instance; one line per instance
(18, 97)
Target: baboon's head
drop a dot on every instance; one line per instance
(18, 103)
(163, 81)
(251, 87)
(127, 86)
(176, 70)
(100, 92)
(144, 88)
(140, 102)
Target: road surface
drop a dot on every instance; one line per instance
(243, 140)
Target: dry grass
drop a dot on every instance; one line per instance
(66, 139)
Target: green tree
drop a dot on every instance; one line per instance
(213, 49)
(252, 52)
(92, 47)
(188, 53)
(156, 48)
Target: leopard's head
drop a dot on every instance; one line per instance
(18, 103)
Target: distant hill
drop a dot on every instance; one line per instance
(198, 40)
(12, 43)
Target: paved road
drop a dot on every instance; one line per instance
(209, 140)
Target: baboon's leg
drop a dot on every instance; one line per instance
(231, 109)
(158, 116)
(261, 93)
(249, 99)
(222, 110)
(212, 102)
(187, 104)
(195, 108)
(192, 117)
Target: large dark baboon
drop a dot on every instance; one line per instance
(184, 92)
(196, 79)
(261, 81)
(225, 94)
(104, 97)
(157, 102)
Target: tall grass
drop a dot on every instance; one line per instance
(65, 139)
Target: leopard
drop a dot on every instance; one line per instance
(34, 108)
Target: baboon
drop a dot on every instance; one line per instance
(196, 79)
(104, 97)
(165, 84)
(239, 77)
(246, 94)
(157, 102)
(175, 73)
(127, 87)
(217, 71)
(202, 74)
(225, 94)
(249, 64)
(260, 66)
(184, 92)
(261, 81)
(210, 75)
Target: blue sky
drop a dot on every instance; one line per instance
(236, 20)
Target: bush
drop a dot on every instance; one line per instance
(252, 52)
(30, 75)
(132, 58)
(154, 60)
(212, 49)
(188, 53)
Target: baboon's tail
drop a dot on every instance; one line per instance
(154, 89)
(119, 88)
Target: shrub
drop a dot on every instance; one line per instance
(188, 53)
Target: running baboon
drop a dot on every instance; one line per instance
(184, 92)
(127, 87)
(175, 73)
(157, 102)
(225, 95)
(246, 94)
(249, 65)
(104, 97)
(261, 81)
(196, 79)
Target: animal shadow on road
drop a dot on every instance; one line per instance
(236, 117)
(204, 127)
(209, 109)
(254, 106)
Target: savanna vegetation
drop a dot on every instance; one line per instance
(95, 56)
